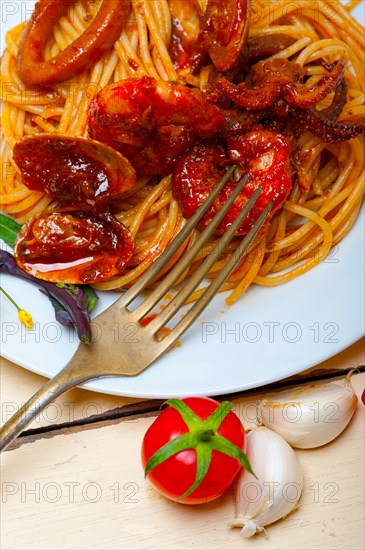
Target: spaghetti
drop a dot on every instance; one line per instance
(327, 196)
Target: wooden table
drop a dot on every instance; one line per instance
(74, 480)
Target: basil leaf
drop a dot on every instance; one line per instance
(92, 298)
(9, 230)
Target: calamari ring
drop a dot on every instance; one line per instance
(84, 51)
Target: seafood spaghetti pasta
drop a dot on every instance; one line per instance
(328, 172)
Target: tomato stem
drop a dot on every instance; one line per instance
(205, 435)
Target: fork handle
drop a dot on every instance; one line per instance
(61, 383)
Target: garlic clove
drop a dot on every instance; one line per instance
(277, 489)
(309, 416)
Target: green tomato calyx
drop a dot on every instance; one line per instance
(203, 437)
(206, 435)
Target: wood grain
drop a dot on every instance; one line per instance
(18, 384)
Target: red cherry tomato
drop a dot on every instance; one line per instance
(175, 475)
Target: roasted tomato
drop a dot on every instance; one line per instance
(194, 449)
(262, 154)
(73, 247)
(76, 171)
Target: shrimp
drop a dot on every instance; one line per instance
(152, 122)
(263, 155)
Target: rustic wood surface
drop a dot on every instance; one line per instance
(74, 480)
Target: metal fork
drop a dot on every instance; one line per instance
(104, 357)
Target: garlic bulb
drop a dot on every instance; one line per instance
(277, 489)
(309, 416)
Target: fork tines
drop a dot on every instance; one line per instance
(196, 278)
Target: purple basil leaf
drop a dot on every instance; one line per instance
(61, 314)
(7, 263)
(81, 299)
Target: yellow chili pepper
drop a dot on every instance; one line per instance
(23, 315)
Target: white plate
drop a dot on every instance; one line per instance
(268, 335)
